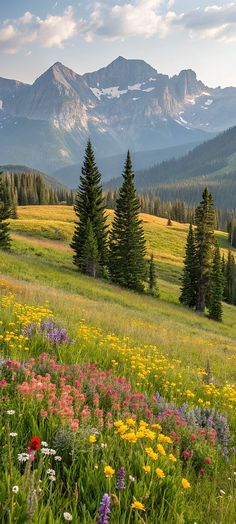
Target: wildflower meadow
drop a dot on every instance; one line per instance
(97, 430)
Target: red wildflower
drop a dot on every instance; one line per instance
(207, 460)
(35, 443)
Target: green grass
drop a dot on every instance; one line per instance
(42, 269)
(39, 271)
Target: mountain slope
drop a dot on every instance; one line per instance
(126, 104)
(212, 163)
(112, 166)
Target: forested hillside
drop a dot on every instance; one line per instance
(212, 163)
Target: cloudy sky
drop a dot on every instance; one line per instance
(87, 34)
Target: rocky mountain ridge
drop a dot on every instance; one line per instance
(126, 104)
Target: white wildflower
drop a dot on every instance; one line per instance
(23, 457)
(58, 458)
(132, 479)
(10, 412)
(15, 489)
(44, 444)
(12, 434)
(51, 472)
(67, 516)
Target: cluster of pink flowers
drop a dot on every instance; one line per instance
(79, 392)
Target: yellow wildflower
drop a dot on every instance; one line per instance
(161, 450)
(160, 473)
(185, 484)
(109, 471)
(138, 505)
(92, 439)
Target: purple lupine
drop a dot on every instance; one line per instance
(121, 479)
(104, 510)
(53, 332)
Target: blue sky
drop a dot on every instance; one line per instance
(87, 34)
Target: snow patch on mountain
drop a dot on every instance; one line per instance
(209, 102)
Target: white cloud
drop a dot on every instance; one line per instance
(135, 18)
(51, 31)
(216, 21)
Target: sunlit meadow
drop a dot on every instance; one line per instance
(115, 408)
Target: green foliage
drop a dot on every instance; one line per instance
(127, 244)
(30, 189)
(89, 206)
(217, 285)
(152, 280)
(229, 272)
(5, 214)
(188, 295)
(204, 241)
(89, 255)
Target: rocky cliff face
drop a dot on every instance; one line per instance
(126, 104)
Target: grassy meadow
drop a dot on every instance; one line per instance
(93, 399)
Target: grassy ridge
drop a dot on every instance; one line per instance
(44, 271)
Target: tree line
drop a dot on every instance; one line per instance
(176, 209)
(23, 189)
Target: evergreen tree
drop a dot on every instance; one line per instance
(89, 255)
(229, 278)
(233, 235)
(204, 241)
(127, 244)
(5, 214)
(152, 280)
(190, 273)
(89, 206)
(215, 305)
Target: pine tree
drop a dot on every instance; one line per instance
(188, 295)
(229, 278)
(89, 255)
(5, 214)
(204, 241)
(127, 244)
(216, 297)
(152, 280)
(89, 206)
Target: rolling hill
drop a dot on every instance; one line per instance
(211, 164)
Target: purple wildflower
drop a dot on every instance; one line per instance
(53, 332)
(121, 479)
(104, 510)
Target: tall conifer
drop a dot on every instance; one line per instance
(152, 280)
(89, 206)
(217, 285)
(127, 244)
(204, 241)
(188, 295)
(5, 214)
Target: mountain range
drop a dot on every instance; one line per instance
(126, 104)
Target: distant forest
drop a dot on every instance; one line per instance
(23, 189)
